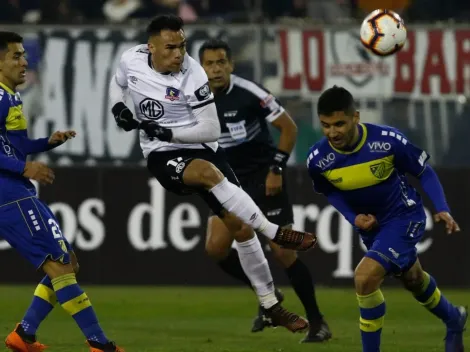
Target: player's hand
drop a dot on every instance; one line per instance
(124, 117)
(60, 137)
(273, 184)
(365, 222)
(154, 130)
(40, 172)
(451, 225)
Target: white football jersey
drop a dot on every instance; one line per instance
(167, 98)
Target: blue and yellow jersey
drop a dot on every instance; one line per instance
(15, 146)
(371, 177)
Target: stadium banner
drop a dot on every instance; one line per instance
(433, 63)
(127, 230)
(70, 70)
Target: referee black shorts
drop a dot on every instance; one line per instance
(277, 208)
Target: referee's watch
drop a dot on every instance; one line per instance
(276, 169)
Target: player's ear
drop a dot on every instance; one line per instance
(357, 117)
(232, 66)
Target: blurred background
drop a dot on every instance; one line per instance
(296, 48)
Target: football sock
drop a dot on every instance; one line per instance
(302, 283)
(256, 267)
(431, 298)
(372, 308)
(43, 302)
(231, 265)
(237, 201)
(76, 302)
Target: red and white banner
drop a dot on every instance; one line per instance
(432, 63)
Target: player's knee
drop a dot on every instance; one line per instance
(216, 250)
(204, 173)
(55, 269)
(74, 262)
(244, 233)
(413, 282)
(366, 282)
(286, 257)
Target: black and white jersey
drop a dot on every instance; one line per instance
(245, 109)
(167, 98)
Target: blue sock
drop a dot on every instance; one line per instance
(431, 298)
(76, 302)
(43, 302)
(372, 308)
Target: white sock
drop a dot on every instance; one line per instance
(256, 267)
(236, 201)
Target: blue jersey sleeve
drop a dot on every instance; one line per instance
(322, 186)
(408, 157)
(8, 162)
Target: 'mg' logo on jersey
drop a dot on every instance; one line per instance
(151, 109)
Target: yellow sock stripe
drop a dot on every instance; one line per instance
(372, 300)
(434, 300)
(425, 284)
(64, 281)
(77, 304)
(371, 325)
(46, 293)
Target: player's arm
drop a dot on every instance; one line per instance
(272, 111)
(34, 146)
(414, 161)
(117, 96)
(322, 186)
(7, 160)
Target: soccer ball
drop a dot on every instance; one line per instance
(383, 32)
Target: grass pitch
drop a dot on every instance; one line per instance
(187, 319)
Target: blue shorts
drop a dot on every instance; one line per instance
(394, 244)
(30, 227)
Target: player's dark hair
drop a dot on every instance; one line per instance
(215, 44)
(8, 38)
(164, 22)
(336, 99)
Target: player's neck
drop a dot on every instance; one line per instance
(220, 90)
(355, 140)
(7, 83)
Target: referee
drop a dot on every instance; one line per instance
(245, 110)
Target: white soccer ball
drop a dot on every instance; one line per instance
(383, 32)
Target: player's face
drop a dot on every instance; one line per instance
(340, 129)
(218, 68)
(13, 65)
(168, 49)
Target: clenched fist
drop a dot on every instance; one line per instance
(40, 172)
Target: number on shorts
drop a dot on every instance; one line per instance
(55, 228)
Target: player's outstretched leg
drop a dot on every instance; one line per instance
(76, 303)
(368, 277)
(202, 173)
(425, 291)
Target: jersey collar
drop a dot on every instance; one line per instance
(359, 145)
(7, 89)
(230, 86)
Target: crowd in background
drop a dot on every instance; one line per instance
(329, 11)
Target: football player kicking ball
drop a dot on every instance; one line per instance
(361, 169)
(179, 129)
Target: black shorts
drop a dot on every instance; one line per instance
(168, 168)
(277, 208)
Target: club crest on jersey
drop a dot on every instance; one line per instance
(172, 94)
(203, 92)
